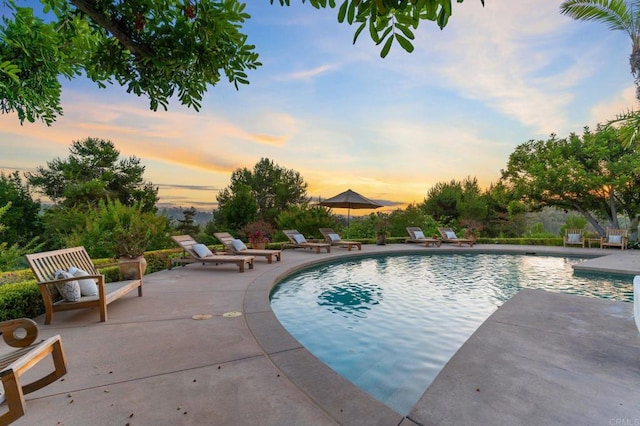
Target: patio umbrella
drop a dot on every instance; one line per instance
(350, 200)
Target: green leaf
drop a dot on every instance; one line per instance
(373, 32)
(406, 44)
(406, 31)
(351, 12)
(385, 49)
(358, 31)
(342, 11)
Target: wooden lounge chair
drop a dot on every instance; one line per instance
(190, 254)
(615, 238)
(46, 265)
(297, 240)
(417, 236)
(334, 239)
(573, 237)
(21, 334)
(228, 241)
(448, 236)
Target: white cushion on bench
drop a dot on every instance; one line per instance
(573, 238)
(88, 286)
(69, 290)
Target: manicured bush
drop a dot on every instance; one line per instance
(20, 300)
(549, 241)
(18, 276)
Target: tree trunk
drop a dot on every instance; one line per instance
(592, 220)
(613, 210)
(633, 228)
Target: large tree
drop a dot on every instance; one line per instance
(238, 207)
(451, 202)
(94, 172)
(593, 174)
(273, 188)
(159, 48)
(22, 218)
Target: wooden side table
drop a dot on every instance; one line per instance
(594, 240)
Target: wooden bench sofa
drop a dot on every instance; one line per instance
(21, 334)
(44, 266)
(615, 238)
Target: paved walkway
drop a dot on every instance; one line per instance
(202, 347)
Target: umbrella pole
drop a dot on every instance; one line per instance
(348, 220)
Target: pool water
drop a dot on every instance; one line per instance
(390, 324)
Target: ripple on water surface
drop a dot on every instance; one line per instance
(389, 324)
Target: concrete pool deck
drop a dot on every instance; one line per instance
(542, 358)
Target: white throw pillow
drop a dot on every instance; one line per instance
(574, 238)
(238, 245)
(70, 290)
(334, 237)
(202, 250)
(419, 235)
(451, 235)
(88, 286)
(299, 238)
(615, 239)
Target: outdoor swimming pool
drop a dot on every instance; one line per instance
(389, 324)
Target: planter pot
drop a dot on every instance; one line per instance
(381, 240)
(259, 246)
(129, 267)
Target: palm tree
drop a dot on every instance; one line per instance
(623, 15)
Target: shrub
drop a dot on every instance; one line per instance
(116, 230)
(400, 219)
(306, 219)
(20, 300)
(574, 221)
(259, 231)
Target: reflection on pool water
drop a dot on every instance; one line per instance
(389, 324)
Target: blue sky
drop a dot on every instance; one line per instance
(343, 117)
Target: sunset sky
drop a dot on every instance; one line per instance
(340, 115)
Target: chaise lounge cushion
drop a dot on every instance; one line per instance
(201, 250)
(300, 239)
(69, 290)
(452, 235)
(238, 245)
(88, 286)
(334, 237)
(419, 235)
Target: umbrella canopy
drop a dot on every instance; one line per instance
(350, 200)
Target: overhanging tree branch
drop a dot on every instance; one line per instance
(116, 28)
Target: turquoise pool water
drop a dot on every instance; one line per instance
(389, 324)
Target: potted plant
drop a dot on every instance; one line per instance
(117, 231)
(382, 227)
(258, 233)
(125, 232)
(130, 241)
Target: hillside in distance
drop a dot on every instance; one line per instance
(175, 213)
